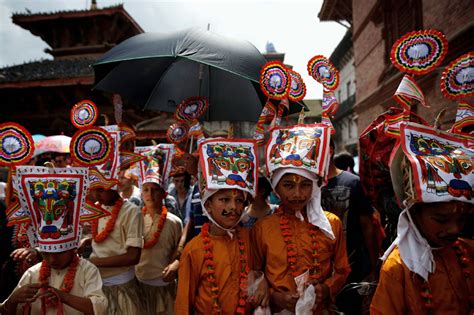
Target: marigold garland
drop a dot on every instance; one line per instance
(156, 236)
(109, 226)
(463, 259)
(68, 281)
(211, 267)
(291, 249)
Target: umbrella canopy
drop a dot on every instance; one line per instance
(59, 144)
(158, 71)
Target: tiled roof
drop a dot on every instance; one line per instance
(22, 14)
(47, 70)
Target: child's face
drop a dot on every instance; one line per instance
(59, 260)
(294, 191)
(124, 181)
(226, 206)
(106, 196)
(152, 195)
(442, 222)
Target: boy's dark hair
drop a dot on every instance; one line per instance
(264, 187)
(344, 161)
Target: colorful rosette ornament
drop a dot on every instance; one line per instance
(16, 144)
(177, 133)
(457, 80)
(323, 71)
(91, 146)
(419, 52)
(275, 80)
(297, 87)
(191, 109)
(84, 114)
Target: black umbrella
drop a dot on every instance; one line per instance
(158, 71)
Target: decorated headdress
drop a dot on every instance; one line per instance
(302, 150)
(300, 147)
(416, 53)
(433, 166)
(53, 200)
(227, 164)
(281, 86)
(156, 165)
(324, 72)
(187, 126)
(457, 83)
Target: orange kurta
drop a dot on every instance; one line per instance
(271, 254)
(194, 290)
(398, 291)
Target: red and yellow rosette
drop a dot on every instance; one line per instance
(457, 80)
(323, 71)
(177, 132)
(91, 146)
(297, 87)
(84, 114)
(16, 144)
(275, 80)
(419, 52)
(191, 108)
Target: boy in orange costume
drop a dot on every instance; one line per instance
(214, 266)
(300, 236)
(428, 269)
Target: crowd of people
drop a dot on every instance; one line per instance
(214, 241)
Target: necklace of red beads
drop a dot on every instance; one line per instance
(68, 282)
(291, 249)
(463, 260)
(149, 243)
(211, 267)
(109, 226)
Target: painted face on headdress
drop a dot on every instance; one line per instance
(296, 147)
(231, 164)
(53, 200)
(445, 165)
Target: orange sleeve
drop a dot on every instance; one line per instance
(341, 267)
(188, 280)
(389, 296)
(257, 257)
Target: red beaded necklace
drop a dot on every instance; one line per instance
(109, 226)
(68, 282)
(291, 249)
(211, 267)
(156, 236)
(463, 259)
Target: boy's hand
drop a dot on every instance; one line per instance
(169, 273)
(51, 294)
(25, 294)
(28, 254)
(85, 242)
(286, 301)
(261, 295)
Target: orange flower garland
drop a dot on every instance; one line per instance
(463, 260)
(291, 249)
(156, 236)
(68, 282)
(211, 267)
(109, 226)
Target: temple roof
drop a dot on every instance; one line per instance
(336, 10)
(47, 70)
(80, 32)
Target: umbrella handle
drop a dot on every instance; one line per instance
(191, 145)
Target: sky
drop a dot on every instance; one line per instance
(292, 26)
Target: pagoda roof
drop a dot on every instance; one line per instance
(26, 18)
(27, 74)
(71, 34)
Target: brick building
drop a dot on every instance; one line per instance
(376, 25)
